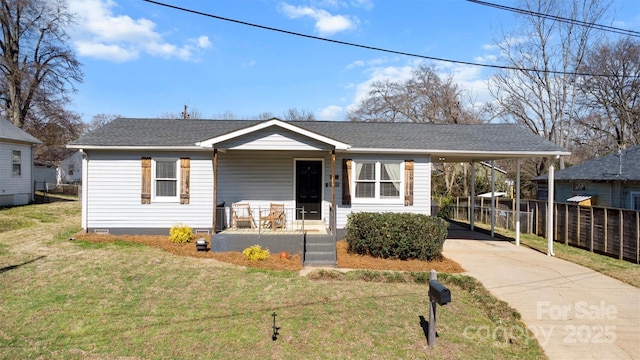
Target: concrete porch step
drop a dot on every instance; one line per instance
(320, 251)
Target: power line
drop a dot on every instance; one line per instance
(559, 18)
(501, 67)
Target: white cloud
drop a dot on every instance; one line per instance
(104, 35)
(326, 24)
(331, 112)
(389, 73)
(248, 64)
(365, 4)
(102, 51)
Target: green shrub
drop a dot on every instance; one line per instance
(255, 252)
(180, 233)
(396, 235)
(446, 207)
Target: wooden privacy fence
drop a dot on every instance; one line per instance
(610, 231)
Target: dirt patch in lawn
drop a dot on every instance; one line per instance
(274, 262)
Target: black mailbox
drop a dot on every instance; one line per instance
(439, 293)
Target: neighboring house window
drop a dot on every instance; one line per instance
(70, 172)
(16, 159)
(579, 186)
(635, 200)
(165, 179)
(378, 180)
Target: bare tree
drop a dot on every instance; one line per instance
(424, 98)
(294, 114)
(541, 94)
(265, 116)
(612, 102)
(99, 120)
(39, 70)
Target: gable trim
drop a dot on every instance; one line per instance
(274, 122)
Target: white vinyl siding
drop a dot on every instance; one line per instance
(273, 139)
(114, 187)
(15, 189)
(256, 177)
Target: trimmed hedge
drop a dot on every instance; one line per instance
(396, 235)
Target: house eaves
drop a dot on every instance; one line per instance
(338, 145)
(133, 147)
(452, 156)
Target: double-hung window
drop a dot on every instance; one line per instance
(378, 181)
(16, 160)
(635, 200)
(166, 180)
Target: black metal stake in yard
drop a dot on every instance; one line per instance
(274, 337)
(438, 294)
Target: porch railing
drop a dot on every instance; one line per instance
(224, 219)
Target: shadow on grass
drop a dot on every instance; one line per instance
(13, 267)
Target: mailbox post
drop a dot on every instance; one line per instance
(438, 295)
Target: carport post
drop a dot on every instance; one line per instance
(493, 198)
(472, 210)
(518, 202)
(550, 196)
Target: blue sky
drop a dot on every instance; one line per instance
(144, 60)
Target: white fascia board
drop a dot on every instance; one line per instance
(129, 147)
(274, 122)
(458, 153)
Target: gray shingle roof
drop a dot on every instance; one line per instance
(607, 167)
(8, 131)
(361, 135)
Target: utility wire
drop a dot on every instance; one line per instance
(559, 18)
(502, 67)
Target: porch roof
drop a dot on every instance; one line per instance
(445, 142)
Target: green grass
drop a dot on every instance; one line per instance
(622, 270)
(66, 299)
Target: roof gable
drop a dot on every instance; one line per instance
(273, 123)
(10, 132)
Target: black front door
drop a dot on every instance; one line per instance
(309, 189)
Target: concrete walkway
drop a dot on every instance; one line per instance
(574, 312)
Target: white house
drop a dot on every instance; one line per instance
(145, 175)
(16, 165)
(69, 170)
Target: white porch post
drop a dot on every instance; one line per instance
(493, 198)
(518, 202)
(85, 190)
(215, 192)
(551, 193)
(472, 211)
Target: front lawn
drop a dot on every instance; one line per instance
(66, 299)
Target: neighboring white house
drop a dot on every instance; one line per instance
(44, 176)
(145, 175)
(69, 170)
(16, 165)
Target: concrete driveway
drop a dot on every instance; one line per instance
(574, 312)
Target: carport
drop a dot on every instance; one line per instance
(531, 148)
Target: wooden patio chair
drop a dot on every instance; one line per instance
(241, 212)
(275, 218)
